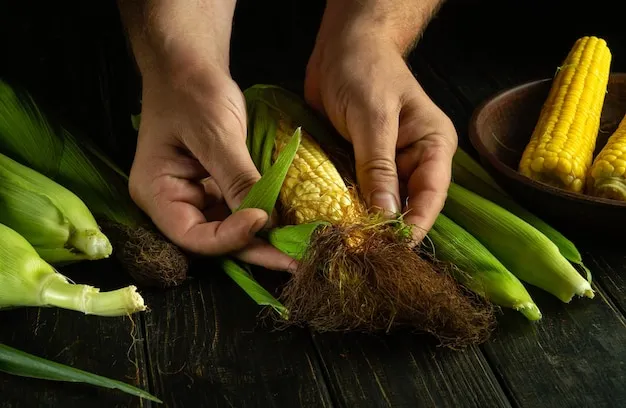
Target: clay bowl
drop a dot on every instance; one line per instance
(500, 129)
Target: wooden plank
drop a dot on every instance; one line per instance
(112, 347)
(575, 355)
(404, 370)
(206, 348)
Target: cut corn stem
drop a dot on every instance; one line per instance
(478, 269)
(522, 249)
(468, 173)
(26, 280)
(58, 292)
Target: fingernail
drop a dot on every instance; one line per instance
(384, 201)
(257, 226)
(293, 267)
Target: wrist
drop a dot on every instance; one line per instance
(395, 23)
(178, 39)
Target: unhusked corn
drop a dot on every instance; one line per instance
(561, 147)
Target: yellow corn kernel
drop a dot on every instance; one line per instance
(313, 189)
(606, 176)
(560, 150)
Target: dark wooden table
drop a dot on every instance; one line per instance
(199, 345)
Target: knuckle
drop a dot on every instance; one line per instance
(380, 168)
(135, 188)
(240, 184)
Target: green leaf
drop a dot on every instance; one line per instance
(264, 193)
(244, 279)
(16, 362)
(294, 240)
(135, 120)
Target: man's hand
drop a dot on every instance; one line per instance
(357, 76)
(192, 166)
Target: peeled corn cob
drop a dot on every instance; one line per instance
(607, 176)
(561, 147)
(313, 189)
(53, 219)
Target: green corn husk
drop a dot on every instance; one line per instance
(263, 195)
(26, 280)
(468, 173)
(51, 218)
(477, 269)
(19, 363)
(294, 240)
(29, 137)
(522, 249)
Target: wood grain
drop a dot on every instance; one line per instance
(112, 347)
(405, 370)
(206, 348)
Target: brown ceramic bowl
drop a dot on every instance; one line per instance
(500, 129)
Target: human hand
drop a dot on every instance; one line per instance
(403, 143)
(192, 167)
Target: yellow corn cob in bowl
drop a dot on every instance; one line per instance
(606, 176)
(560, 150)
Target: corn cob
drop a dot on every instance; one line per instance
(521, 248)
(477, 268)
(606, 177)
(313, 189)
(33, 139)
(468, 173)
(561, 146)
(52, 218)
(356, 270)
(26, 280)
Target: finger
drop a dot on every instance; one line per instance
(176, 209)
(221, 149)
(261, 253)
(429, 164)
(187, 227)
(374, 134)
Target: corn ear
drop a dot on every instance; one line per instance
(26, 280)
(477, 269)
(30, 138)
(607, 174)
(468, 173)
(52, 218)
(522, 249)
(561, 146)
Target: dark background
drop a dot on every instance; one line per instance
(200, 344)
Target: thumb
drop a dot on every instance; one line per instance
(374, 138)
